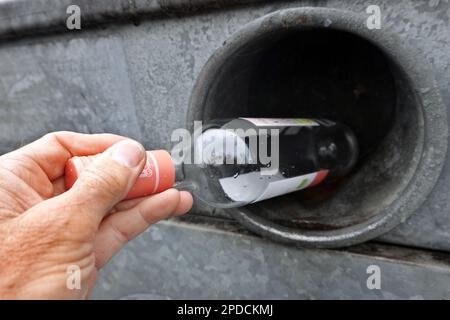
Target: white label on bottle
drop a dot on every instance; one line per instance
(280, 187)
(242, 188)
(277, 122)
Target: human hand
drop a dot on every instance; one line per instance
(45, 229)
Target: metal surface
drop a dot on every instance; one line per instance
(24, 17)
(394, 180)
(185, 261)
(135, 80)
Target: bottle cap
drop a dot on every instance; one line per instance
(74, 167)
(158, 173)
(164, 167)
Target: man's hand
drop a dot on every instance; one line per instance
(44, 231)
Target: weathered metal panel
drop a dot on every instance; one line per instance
(185, 261)
(22, 17)
(136, 80)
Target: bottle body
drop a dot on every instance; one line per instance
(247, 160)
(240, 161)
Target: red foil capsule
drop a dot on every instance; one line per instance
(158, 174)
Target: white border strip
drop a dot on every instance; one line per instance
(155, 165)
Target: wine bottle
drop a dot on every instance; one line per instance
(235, 162)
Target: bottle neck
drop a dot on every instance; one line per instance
(180, 182)
(179, 172)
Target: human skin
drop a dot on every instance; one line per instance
(45, 230)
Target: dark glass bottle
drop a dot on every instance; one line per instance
(245, 160)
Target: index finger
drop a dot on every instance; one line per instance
(52, 151)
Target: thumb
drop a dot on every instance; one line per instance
(108, 179)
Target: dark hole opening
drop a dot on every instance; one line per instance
(321, 73)
(333, 75)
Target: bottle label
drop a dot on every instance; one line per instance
(283, 186)
(277, 122)
(237, 187)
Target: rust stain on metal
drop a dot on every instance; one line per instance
(303, 19)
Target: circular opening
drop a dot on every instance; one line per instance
(292, 64)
